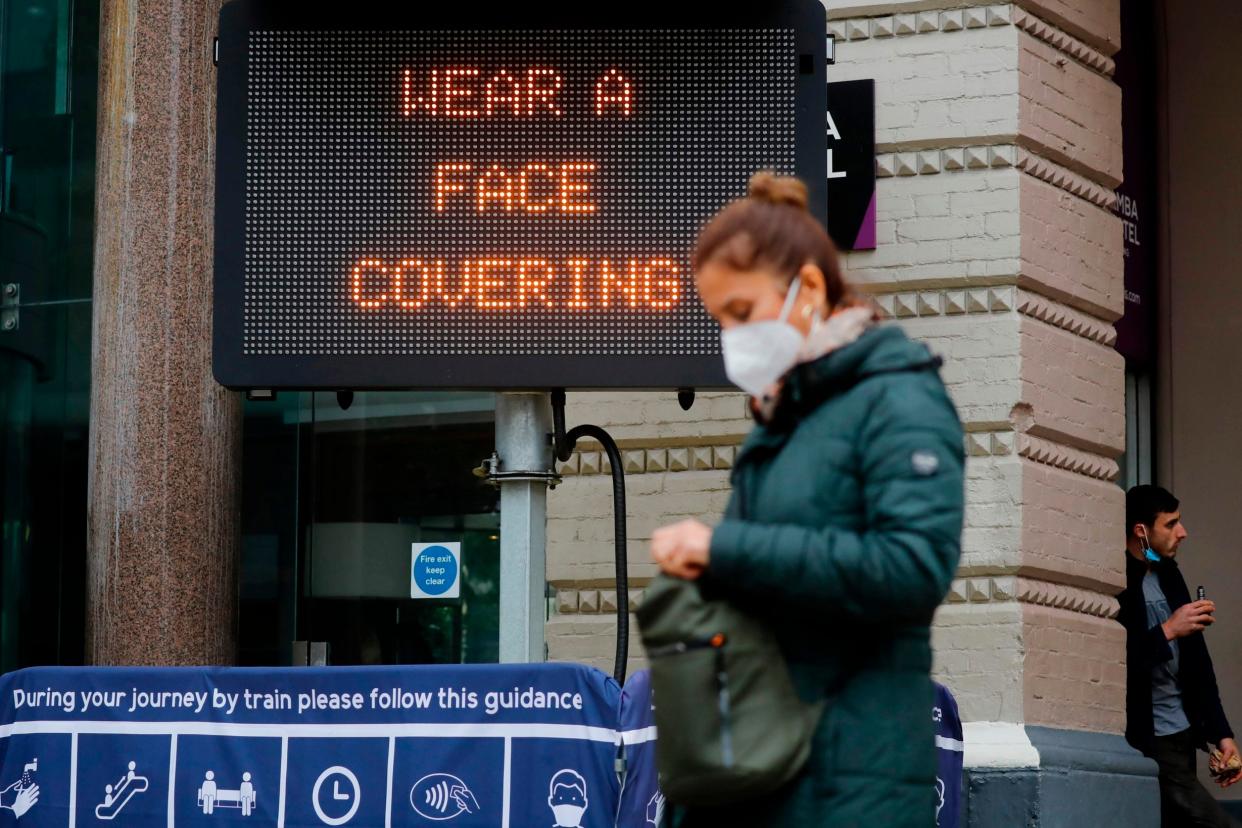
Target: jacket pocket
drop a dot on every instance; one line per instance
(696, 736)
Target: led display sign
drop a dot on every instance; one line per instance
(469, 199)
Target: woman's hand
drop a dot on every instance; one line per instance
(683, 549)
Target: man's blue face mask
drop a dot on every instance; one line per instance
(1148, 552)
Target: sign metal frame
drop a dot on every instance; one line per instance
(235, 369)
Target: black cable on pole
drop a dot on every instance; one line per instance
(563, 443)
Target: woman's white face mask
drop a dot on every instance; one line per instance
(757, 354)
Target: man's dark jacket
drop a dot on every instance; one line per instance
(1146, 647)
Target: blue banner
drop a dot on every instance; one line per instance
(496, 746)
(487, 745)
(949, 754)
(642, 804)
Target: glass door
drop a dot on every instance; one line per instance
(48, 77)
(337, 492)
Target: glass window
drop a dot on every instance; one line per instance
(48, 78)
(336, 492)
(1136, 464)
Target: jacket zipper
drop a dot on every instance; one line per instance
(678, 647)
(723, 704)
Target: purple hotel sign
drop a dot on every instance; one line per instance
(851, 164)
(1136, 197)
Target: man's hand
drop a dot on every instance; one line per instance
(682, 550)
(1189, 619)
(1228, 750)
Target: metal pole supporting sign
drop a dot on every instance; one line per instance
(522, 468)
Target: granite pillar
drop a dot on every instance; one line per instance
(163, 530)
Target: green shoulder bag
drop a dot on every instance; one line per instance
(730, 725)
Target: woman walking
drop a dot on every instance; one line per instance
(844, 526)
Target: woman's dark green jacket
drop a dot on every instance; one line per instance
(843, 532)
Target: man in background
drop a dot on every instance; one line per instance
(1172, 703)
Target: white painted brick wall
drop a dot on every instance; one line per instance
(1097, 22)
(991, 540)
(1070, 110)
(1071, 248)
(645, 415)
(1074, 670)
(938, 88)
(978, 655)
(1074, 386)
(580, 525)
(592, 639)
(1072, 527)
(933, 230)
(982, 361)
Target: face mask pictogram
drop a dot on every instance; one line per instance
(567, 798)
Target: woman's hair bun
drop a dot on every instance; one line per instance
(777, 189)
